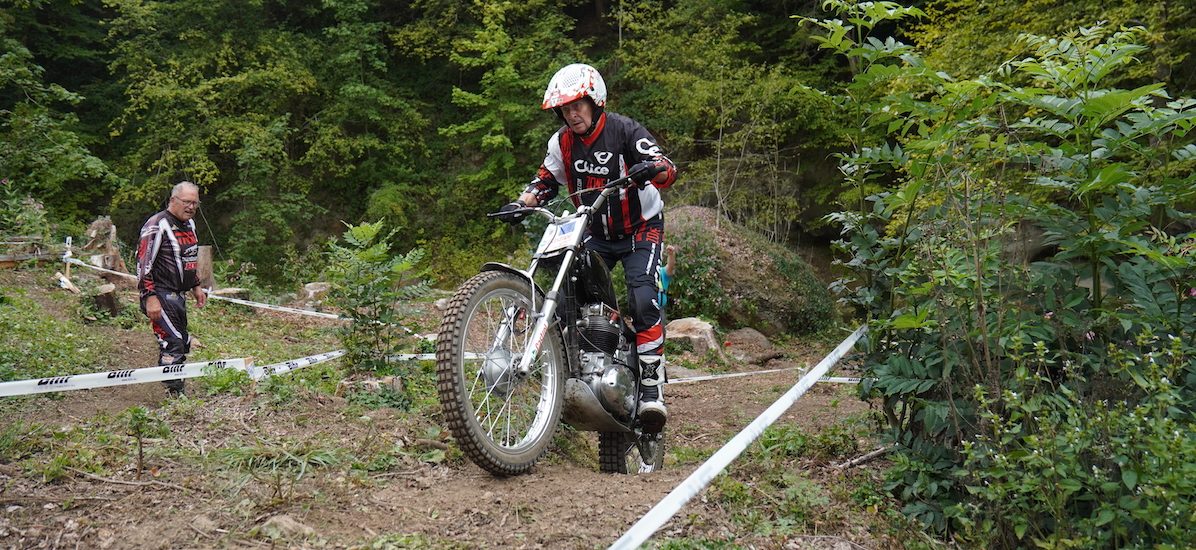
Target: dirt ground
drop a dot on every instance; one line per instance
(563, 503)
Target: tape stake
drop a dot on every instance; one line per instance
(115, 377)
(672, 503)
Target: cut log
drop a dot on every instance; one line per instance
(203, 268)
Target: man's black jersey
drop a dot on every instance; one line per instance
(605, 154)
(166, 255)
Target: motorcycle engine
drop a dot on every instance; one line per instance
(598, 329)
(602, 367)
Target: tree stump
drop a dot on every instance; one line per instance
(105, 299)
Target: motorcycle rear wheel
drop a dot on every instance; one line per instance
(630, 453)
(502, 422)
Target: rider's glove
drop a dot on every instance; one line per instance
(644, 171)
(510, 212)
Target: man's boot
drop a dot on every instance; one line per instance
(652, 412)
(174, 388)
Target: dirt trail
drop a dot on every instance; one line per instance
(561, 503)
(191, 498)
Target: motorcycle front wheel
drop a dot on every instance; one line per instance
(502, 420)
(630, 453)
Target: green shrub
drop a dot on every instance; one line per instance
(21, 215)
(1037, 401)
(368, 281)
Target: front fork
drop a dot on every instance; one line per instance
(545, 320)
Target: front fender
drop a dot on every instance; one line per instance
(497, 266)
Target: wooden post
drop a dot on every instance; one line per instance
(204, 268)
(68, 255)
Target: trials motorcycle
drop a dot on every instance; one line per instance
(514, 359)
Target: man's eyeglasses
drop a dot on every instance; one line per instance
(193, 204)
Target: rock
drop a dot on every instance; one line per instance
(392, 383)
(63, 282)
(748, 344)
(748, 338)
(284, 527)
(441, 304)
(697, 332)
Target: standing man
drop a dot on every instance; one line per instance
(166, 258)
(594, 147)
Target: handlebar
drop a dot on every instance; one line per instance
(605, 190)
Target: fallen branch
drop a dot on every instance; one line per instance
(123, 482)
(862, 459)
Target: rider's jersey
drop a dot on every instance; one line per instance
(587, 162)
(166, 255)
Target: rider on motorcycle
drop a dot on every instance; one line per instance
(592, 148)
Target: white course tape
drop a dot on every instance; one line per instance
(832, 379)
(272, 307)
(257, 373)
(730, 375)
(840, 379)
(666, 508)
(66, 258)
(116, 377)
(249, 303)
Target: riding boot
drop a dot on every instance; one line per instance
(652, 412)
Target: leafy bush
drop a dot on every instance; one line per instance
(20, 214)
(1042, 400)
(368, 281)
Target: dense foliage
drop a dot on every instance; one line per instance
(294, 115)
(1042, 391)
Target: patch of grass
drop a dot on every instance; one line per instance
(231, 330)
(689, 455)
(397, 541)
(279, 465)
(21, 440)
(217, 381)
(34, 344)
(570, 445)
(92, 448)
(384, 397)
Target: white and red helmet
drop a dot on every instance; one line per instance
(572, 83)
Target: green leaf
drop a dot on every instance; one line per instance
(1130, 478)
